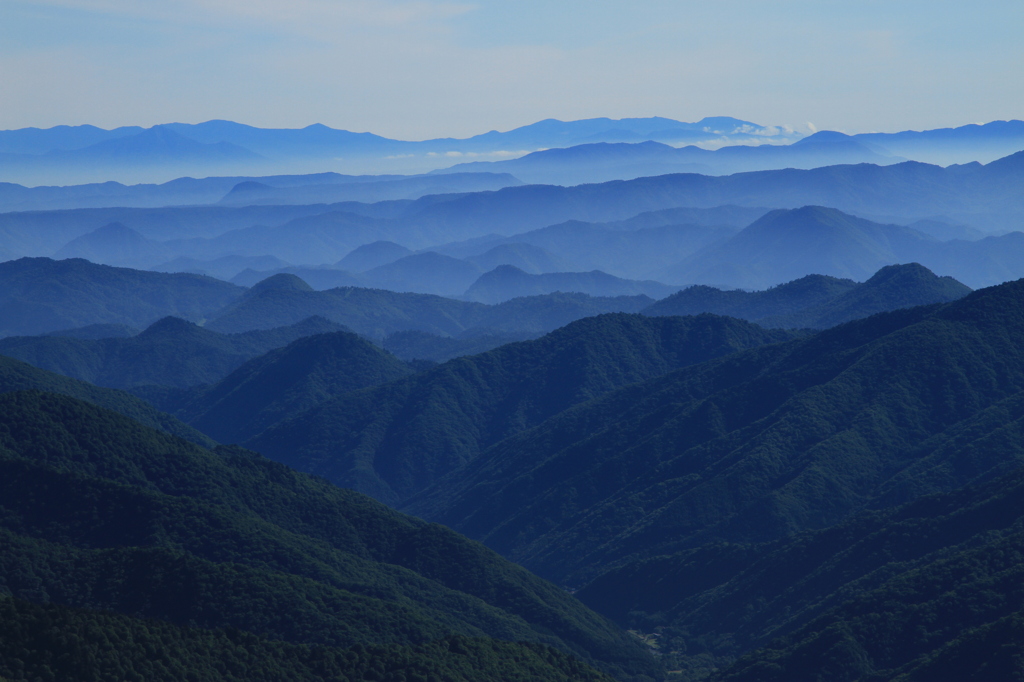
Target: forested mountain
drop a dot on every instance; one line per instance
(398, 438)
(19, 376)
(751, 447)
(626, 248)
(416, 345)
(287, 381)
(426, 273)
(372, 255)
(785, 245)
(138, 523)
(284, 300)
(674, 502)
(507, 281)
(39, 295)
(818, 301)
(171, 352)
(927, 591)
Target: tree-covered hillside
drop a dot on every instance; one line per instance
(398, 438)
(287, 381)
(171, 352)
(748, 448)
(19, 376)
(818, 301)
(284, 300)
(102, 513)
(39, 295)
(882, 595)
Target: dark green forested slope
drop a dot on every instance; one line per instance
(877, 596)
(171, 352)
(285, 299)
(818, 301)
(751, 447)
(100, 512)
(52, 642)
(19, 376)
(39, 295)
(287, 381)
(891, 288)
(395, 439)
(416, 345)
(280, 300)
(788, 298)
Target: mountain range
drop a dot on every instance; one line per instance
(151, 536)
(739, 497)
(817, 301)
(602, 162)
(170, 352)
(77, 153)
(614, 149)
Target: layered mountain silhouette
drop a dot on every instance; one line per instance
(170, 352)
(225, 267)
(604, 161)
(285, 382)
(818, 301)
(285, 299)
(401, 437)
(375, 254)
(118, 245)
(749, 448)
(786, 245)
(39, 295)
(426, 272)
(507, 281)
(524, 256)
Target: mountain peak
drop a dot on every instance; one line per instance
(169, 326)
(281, 281)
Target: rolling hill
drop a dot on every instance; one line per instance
(39, 295)
(749, 448)
(170, 352)
(507, 281)
(401, 437)
(139, 527)
(287, 381)
(818, 301)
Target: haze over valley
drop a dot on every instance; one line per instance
(485, 342)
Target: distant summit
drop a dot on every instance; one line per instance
(281, 282)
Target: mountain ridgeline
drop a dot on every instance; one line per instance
(666, 500)
(170, 352)
(148, 526)
(818, 301)
(398, 438)
(681, 424)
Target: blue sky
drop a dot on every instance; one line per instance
(417, 69)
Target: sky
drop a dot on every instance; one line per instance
(417, 69)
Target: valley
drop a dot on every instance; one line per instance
(622, 407)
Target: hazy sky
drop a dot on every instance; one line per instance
(416, 69)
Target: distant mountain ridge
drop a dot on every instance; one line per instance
(601, 162)
(171, 352)
(78, 151)
(818, 301)
(72, 150)
(403, 436)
